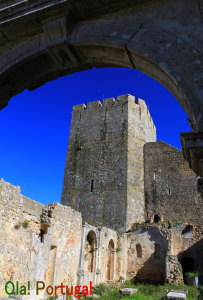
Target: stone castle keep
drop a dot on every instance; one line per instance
(130, 207)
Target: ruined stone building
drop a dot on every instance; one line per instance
(130, 207)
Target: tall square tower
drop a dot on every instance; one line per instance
(104, 174)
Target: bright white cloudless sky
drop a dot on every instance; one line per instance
(35, 125)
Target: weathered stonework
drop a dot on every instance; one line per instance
(134, 210)
(104, 177)
(170, 185)
(23, 255)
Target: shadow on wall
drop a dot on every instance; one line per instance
(149, 256)
(153, 269)
(192, 260)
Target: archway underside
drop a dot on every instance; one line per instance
(61, 39)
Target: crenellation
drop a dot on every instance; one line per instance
(109, 102)
(112, 102)
(94, 105)
(79, 108)
(126, 98)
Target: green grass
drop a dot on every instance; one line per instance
(146, 291)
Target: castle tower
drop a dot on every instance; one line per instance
(104, 175)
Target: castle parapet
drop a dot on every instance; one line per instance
(109, 102)
(140, 107)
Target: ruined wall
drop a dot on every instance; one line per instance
(170, 185)
(146, 254)
(23, 255)
(99, 261)
(104, 176)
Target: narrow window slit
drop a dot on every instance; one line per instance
(92, 185)
(41, 235)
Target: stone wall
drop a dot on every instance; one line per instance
(104, 176)
(170, 185)
(24, 253)
(50, 244)
(146, 254)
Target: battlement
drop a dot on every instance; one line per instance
(111, 103)
(108, 102)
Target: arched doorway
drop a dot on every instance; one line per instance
(110, 261)
(188, 265)
(90, 247)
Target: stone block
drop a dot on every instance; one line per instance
(128, 291)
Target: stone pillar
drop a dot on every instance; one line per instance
(123, 255)
(80, 272)
(98, 252)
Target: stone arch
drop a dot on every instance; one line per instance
(90, 247)
(187, 232)
(134, 37)
(157, 218)
(110, 260)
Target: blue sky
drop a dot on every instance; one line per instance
(35, 125)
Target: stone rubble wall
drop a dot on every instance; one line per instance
(149, 264)
(170, 185)
(23, 256)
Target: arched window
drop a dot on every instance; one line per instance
(110, 261)
(90, 246)
(139, 251)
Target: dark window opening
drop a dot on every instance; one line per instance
(188, 265)
(139, 250)
(41, 235)
(156, 218)
(169, 191)
(92, 185)
(53, 247)
(187, 232)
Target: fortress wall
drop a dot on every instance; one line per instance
(23, 255)
(95, 176)
(146, 254)
(141, 129)
(105, 161)
(16, 242)
(170, 185)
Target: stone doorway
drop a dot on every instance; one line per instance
(188, 265)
